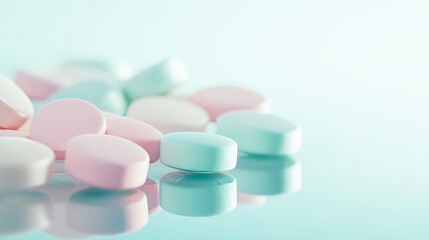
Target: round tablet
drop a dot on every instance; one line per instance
(221, 99)
(24, 163)
(159, 79)
(12, 133)
(100, 212)
(138, 132)
(103, 95)
(273, 175)
(200, 152)
(169, 114)
(24, 211)
(39, 85)
(260, 133)
(105, 161)
(151, 189)
(15, 106)
(57, 122)
(197, 194)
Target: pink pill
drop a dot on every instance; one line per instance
(12, 133)
(221, 99)
(38, 85)
(59, 121)
(136, 131)
(107, 162)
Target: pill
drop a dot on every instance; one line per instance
(169, 114)
(198, 195)
(151, 189)
(221, 99)
(200, 152)
(106, 96)
(24, 163)
(267, 175)
(105, 161)
(24, 211)
(260, 133)
(15, 106)
(157, 80)
(138, 132)
(102, 212)
(12, 133)
(59, 121)
(39, 85)
(59, 190)
(119, 69)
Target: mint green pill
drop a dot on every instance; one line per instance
(260, 133)
(199, 152)
(198, 194)
(105, 96)
(157, 80)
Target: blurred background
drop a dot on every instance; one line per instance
(354, 74)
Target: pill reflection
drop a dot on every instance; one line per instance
(24, 211)
(151, 189)
(198, 194)
(262, 175)
(59, 189)
(105, 212)
(251, 200)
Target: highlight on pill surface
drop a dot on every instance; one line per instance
(107, 162)
(267, 175)
(200, 152)
(198, 194)
(24, 163)
(220, 99)
(106, 212)
(15, 106)
(260, 133)
(168, 114)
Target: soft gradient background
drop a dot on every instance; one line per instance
(354, 74)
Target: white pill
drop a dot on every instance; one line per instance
(24, 163)
(169, 114)
(15, 106)
(260, 133)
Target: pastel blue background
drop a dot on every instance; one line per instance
(354, 74)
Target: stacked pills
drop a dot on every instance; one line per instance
(107, 125)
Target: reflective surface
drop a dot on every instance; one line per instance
(65, 208)
(353, 74)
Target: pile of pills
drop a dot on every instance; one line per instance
(107, 127)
